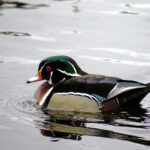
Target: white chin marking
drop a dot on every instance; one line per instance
(50, 79)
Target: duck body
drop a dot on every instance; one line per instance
(82, 92)
(93, 93)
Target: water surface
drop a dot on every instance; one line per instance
(104, 37)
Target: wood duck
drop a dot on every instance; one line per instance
(69, 88)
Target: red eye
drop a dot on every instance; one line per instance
(48, 68)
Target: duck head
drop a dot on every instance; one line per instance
(56, 69)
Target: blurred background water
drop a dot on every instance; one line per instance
(104, 37)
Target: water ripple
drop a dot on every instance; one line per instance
(60, 51)
(20, 110)
(41, 38)
(130, 12)
(145, 6)
(19, 60)
(20, 5)
(120, 61)
(12, 33)
(123, 52)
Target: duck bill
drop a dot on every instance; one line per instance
(38, 77)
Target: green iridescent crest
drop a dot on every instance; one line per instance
(63, 63)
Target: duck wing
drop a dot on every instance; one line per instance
(101, 87)
(88, 84)
(123, 86)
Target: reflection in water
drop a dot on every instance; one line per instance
(129, 12)
(1, 61)
(14, 33)
(75, 125)
(17, 4)
(76, 8)
(128, 5)
(142, 5)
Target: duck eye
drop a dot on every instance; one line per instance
(48, 68)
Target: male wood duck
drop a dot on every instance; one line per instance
(68, 88)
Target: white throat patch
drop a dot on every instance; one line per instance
(50, 79)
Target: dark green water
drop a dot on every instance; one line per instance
(104, 37)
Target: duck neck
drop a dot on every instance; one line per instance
(82, 73)
(59, 75)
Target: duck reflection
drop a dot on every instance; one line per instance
(74, 126)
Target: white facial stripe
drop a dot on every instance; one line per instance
(44, 65)
(73, 67)
(64, 72)
(45, 96)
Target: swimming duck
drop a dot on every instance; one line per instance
(69, 88)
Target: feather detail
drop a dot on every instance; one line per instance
(122, 87)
